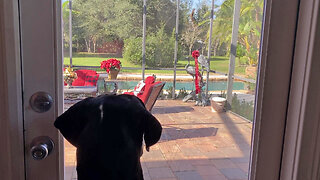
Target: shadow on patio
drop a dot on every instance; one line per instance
(195, 144)
(171, 109)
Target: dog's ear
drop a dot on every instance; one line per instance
(72, 122)
(151, 126)
(152, 130)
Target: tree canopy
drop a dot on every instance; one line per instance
(98, 21)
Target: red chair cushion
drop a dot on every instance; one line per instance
(81, 80)
(87, 71)
(147, 91)
(149, 80)
(91, 79)
(130, 93)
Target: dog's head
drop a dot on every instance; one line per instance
(72, 123)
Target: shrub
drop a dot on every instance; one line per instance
(132, 50)
(182, 93)
(243, 60)
(170, 92)
(247, 56)
(241, 51)
(241, 107)
(159, 50)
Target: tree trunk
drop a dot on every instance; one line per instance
(77, 45)
(88, 44)
(216, 46)
(94, 41)
(190, 49)
(97, 45)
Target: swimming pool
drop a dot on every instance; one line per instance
(213, 86)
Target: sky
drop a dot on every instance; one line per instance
(216, 2)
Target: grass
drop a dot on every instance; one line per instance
(218, 63)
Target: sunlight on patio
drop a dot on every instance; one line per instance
(196, 143)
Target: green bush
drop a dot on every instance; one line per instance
(247, 57)
(182, 93)
(243, 60)
(170, 92)
(132, 50)
(159, 50)
(241, 51)
(241, 107)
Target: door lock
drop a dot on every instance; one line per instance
(41, 147)
(41, 102)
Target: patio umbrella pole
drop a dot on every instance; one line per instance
(144, 38)
(70, 31)
(209, 50)
(176, 51)
(233, 50)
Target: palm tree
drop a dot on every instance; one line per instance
(249, 27)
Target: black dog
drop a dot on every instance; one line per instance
(108, 132)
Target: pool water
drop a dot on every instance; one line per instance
(213, 86)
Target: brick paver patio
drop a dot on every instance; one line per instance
(196, 144)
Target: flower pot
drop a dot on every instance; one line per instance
(69, 85)
(113, 74)
(217, 104)
(68, 81)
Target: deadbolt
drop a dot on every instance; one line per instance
(41, 147)
(41, 102)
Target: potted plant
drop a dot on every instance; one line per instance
(112, 66)
(69, 76)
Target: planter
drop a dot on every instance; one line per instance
(113, 74)
(217, 104)
(68, 82)
(69, 85)
(251, 71)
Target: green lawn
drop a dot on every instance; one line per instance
(220, 64)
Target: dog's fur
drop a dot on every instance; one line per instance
(107, 132)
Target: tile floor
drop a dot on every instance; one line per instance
(196, 144)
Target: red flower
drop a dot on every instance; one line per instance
(110, 64)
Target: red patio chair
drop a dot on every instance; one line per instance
(150, 92)
(86, 77)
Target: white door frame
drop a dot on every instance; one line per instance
(286, 139)
(11, 116)
(301, 154)
(273, 87)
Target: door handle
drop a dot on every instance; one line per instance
(41, 147)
